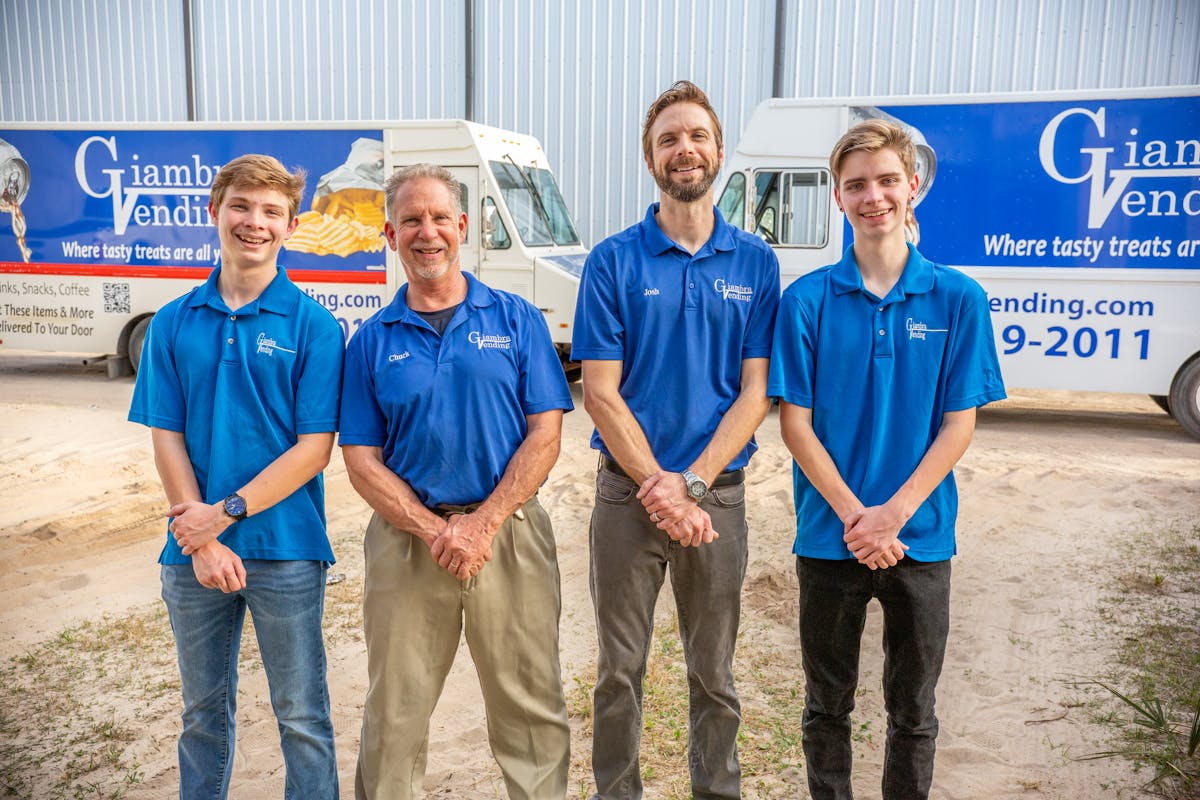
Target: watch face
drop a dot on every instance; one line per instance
(697, 489)
(235, 506)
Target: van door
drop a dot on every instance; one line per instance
(792, 209)
(468, 184)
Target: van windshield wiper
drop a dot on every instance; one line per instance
(537, 196)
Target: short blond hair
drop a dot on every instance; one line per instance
(256, 171)
(871, 137)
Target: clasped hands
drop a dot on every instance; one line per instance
(196, 526)
(464, 545)
(665, 497)
(873, 536)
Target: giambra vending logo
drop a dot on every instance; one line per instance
(488, 340)
(918, 330)
(1110, 171)
(267, 345)
(139, 190)
(733, 291)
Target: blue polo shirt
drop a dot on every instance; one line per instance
(242, 385)
(681, 325)
(449, 411)
(878, 376)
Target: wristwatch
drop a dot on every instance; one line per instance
(697, 488)
(235, 506)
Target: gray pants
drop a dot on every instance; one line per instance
(414, 612)
(629, 559)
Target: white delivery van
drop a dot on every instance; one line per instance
(1079, 213)
(100, 225)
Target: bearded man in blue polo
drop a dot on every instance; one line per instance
(239, 384)
(673, 327)
(451, 419)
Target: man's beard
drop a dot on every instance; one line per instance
(686, 192)
(432, 273)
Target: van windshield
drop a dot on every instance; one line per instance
(536, 205)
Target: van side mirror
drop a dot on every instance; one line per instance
(494, 234)
(489, 226)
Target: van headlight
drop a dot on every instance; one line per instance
(926, 158)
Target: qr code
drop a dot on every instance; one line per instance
(116, 298)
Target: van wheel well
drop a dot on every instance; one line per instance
(1185, 396)
(133, 338)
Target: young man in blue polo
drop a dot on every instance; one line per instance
(879, 364)
(673, 326)
(239, 383)
(451, 420)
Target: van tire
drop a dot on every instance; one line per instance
(1185, 397)
(1162, 401)
(572, 369)
(137, 338)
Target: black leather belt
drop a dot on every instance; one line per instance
(447, 510)
(730, 477)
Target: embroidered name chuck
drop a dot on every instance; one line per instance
(917, 330)
(489, 340)
(267, 345)
(733, 291)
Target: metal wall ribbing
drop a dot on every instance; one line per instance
(876, 47)
(580, 76)
(576, 74)
(80, 60)
(319, 60)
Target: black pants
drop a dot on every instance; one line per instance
(915, 597)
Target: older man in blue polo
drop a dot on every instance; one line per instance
(451, 420)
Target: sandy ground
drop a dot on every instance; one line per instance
(1051, 486)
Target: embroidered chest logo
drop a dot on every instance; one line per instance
(394, 357)
(268, 346)
(733, 291)
(650, 292)
(918, 330)
(489, 341)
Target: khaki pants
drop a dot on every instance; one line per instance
(414, 612)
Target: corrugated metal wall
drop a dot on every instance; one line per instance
(79, 60)
(877, 47)
(580, 77)
(328, 60)
(576, 74)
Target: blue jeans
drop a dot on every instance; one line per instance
(287, 601)
(915, 597)
(629, 560)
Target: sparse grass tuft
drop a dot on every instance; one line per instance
(73, 703)
(769, 738)
(1153, 710)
